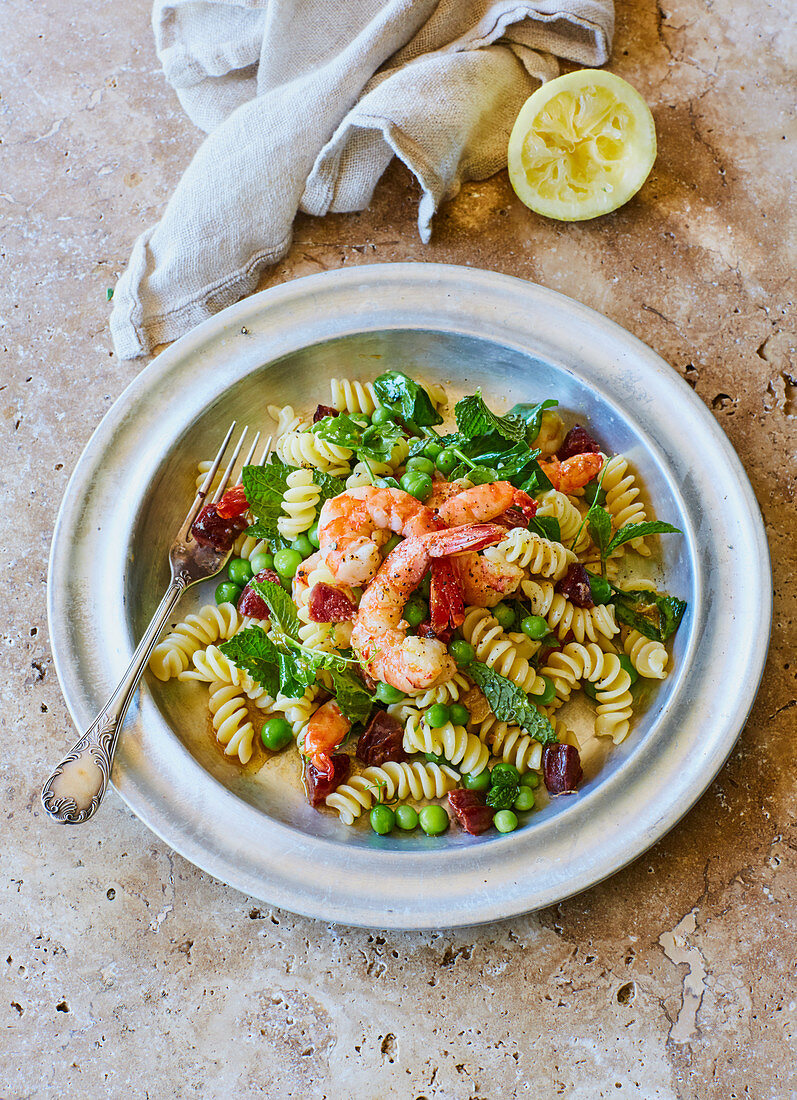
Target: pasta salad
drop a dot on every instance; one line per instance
(412, 609)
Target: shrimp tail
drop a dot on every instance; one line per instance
(446, 599)
(470, 536)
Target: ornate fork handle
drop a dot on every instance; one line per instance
(75, 788)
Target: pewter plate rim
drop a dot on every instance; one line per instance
(429, 887)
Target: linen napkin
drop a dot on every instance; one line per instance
(305, 102)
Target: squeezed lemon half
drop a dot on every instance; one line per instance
(581, 146)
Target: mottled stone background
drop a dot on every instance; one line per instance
(125, 971)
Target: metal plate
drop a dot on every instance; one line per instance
(465, 328)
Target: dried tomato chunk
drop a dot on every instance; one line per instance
(578, 441)
(329, 605)
(561, 768)
(323, 411)
(233, 503)
(252, 605)
(318, 785)
(473, 813)
(381, 741)
(210, 528)
(575, 586)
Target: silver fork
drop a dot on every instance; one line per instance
(75, 788)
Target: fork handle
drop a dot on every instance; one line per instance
(75, 788)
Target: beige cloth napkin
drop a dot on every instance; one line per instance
(305, 103)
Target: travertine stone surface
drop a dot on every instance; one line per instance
(126, 972)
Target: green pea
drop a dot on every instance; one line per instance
(534, 626)
(438, 716)
(548, 695)
(386, 483)
(435, 758)
(386, 693)
(530, 779)
(434, 820)
(286, 562)
(432, 450)
(482, 475)
(505, 821)
(590, 690)
(447, 460)
(382, 416)
(625, 662)
(391, 544)
(303, 546)
(421, 464)
(382, 820)
(276, 734)
(524, 800)
(480, 782)
(504, 775)
(416, 611)
(260, 561)
(418, 485)
(504, 614)
(460, 715)
(312, 534)
(600, 589)
(239, 570)
(228, 593)
(462, 651)
(406, 817)
(425, 587)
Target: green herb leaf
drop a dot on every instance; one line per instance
(374, 442)
(351, 694)
(475, 419)
(282, 608)
(656, 615)
(265, 487)
(254, 652)
(502, 797)
(330, 486)
(547, 527)
(637, 530)
(509, 703)
(599, 525)
(406, 398)
(532, 416)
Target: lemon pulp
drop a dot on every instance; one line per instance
(582, 145)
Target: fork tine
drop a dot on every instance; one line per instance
(230, 467)
(199, 499)
(248, 460)
(266, 451)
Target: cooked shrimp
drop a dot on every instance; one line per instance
(350, 521)
(485, 502)
(443, 490)
(380, 634)
(325, 731)
(573, 473)
(485, 583)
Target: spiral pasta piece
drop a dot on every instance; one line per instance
(287, 420)
(532, 552)
(511, 744)
(614, 700)
(551, 435)
(459, 747)
(648, 656)
(231, 721)
(246, 547)
(211, 666)
(586, 623)
(566, 667)
(622, 498)
(448, 692)
(353, 397)
(308, 449)
(173, 655)
(297, 711)
(202, 472)
(364, 472)
(494, 649)
(571, 522)
(403, 780)
(299, 503)
(437, 394)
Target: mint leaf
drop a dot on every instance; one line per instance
(351, 695)
(547, 527)
(599, 525)
(656, 615)
(637, 530)
(374, 441)
(502, 797)
(509, 703)
(265, 487)
(474, 419)
(282, 608)
(406, 398)
(330, 486)
(532, 416)
(254, 652)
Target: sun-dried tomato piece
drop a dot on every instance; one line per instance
(575, 586)
(233, 503)
(252, 605)
(446, 601)
(426, 630)
(578, 441)
(212, 529)
(381, 740)
(318, 785)
(473, 813)
(329, 605)
(512, 517)
(323, 411)
(561, 768)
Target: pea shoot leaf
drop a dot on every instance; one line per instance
(509, 703)
(656, 615)
(532, 416)
(599, 525)
(254, 652)
(502, 796)
(475, 419)
(407, 399)
(637, 530)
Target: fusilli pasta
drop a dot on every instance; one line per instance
(552, 433)
(307, 449)
(172, 656)
(459, 747)
(648, 657)
(298, 504)
(562, 615)
(351, 396)
(231, 721)
(414, 781)
(571, 522)
(494, 649)
(532, 552)
(622, 498)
